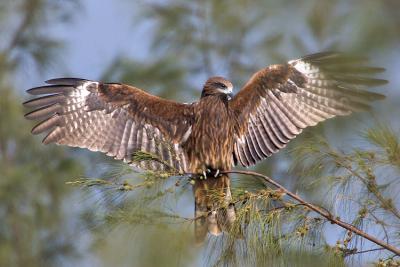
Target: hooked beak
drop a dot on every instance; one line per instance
(227, 92)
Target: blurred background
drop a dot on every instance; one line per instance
(168, 48)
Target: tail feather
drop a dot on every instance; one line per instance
(214, 212)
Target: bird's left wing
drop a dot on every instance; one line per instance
(281, 100)
(116, 119)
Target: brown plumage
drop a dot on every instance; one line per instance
(210, 135)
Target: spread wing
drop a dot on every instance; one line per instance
(281, 100)
(116, 119)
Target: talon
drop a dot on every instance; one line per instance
(204, 175)
(216, 173)
(208, 171)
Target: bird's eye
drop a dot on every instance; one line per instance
(222, 85)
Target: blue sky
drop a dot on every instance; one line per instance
(99, 32)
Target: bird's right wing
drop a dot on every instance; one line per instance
(116, 119)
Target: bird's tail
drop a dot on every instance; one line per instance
(214, 211)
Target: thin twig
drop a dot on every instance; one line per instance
(381, 199)
(368, 250)
(322, 212)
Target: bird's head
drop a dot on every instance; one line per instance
(217, 86)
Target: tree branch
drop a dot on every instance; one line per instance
(324, 213)
(29, 10)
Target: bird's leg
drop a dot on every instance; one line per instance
(211, 172)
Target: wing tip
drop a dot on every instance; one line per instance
(66, 81)
(29, 116)
(27, 103)
(330, 54)
(380, 82)
(54, 83)
(370, 96)
(33, 91)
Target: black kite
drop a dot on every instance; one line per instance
(210, 135)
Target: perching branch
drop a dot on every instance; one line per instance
(321, 211)
(324, 213)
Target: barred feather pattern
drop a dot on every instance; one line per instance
(76, 113)
(280, 101)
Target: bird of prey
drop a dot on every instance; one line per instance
(211, 135)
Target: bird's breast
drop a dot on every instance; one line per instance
(210, 145)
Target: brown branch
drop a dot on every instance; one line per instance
(324, 213)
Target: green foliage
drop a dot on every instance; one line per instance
(387, 141)
(29, 41)
(191, 41)
(270, 228)
(33, 223)
(362, 179)
(146, 219)
(31, 191)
